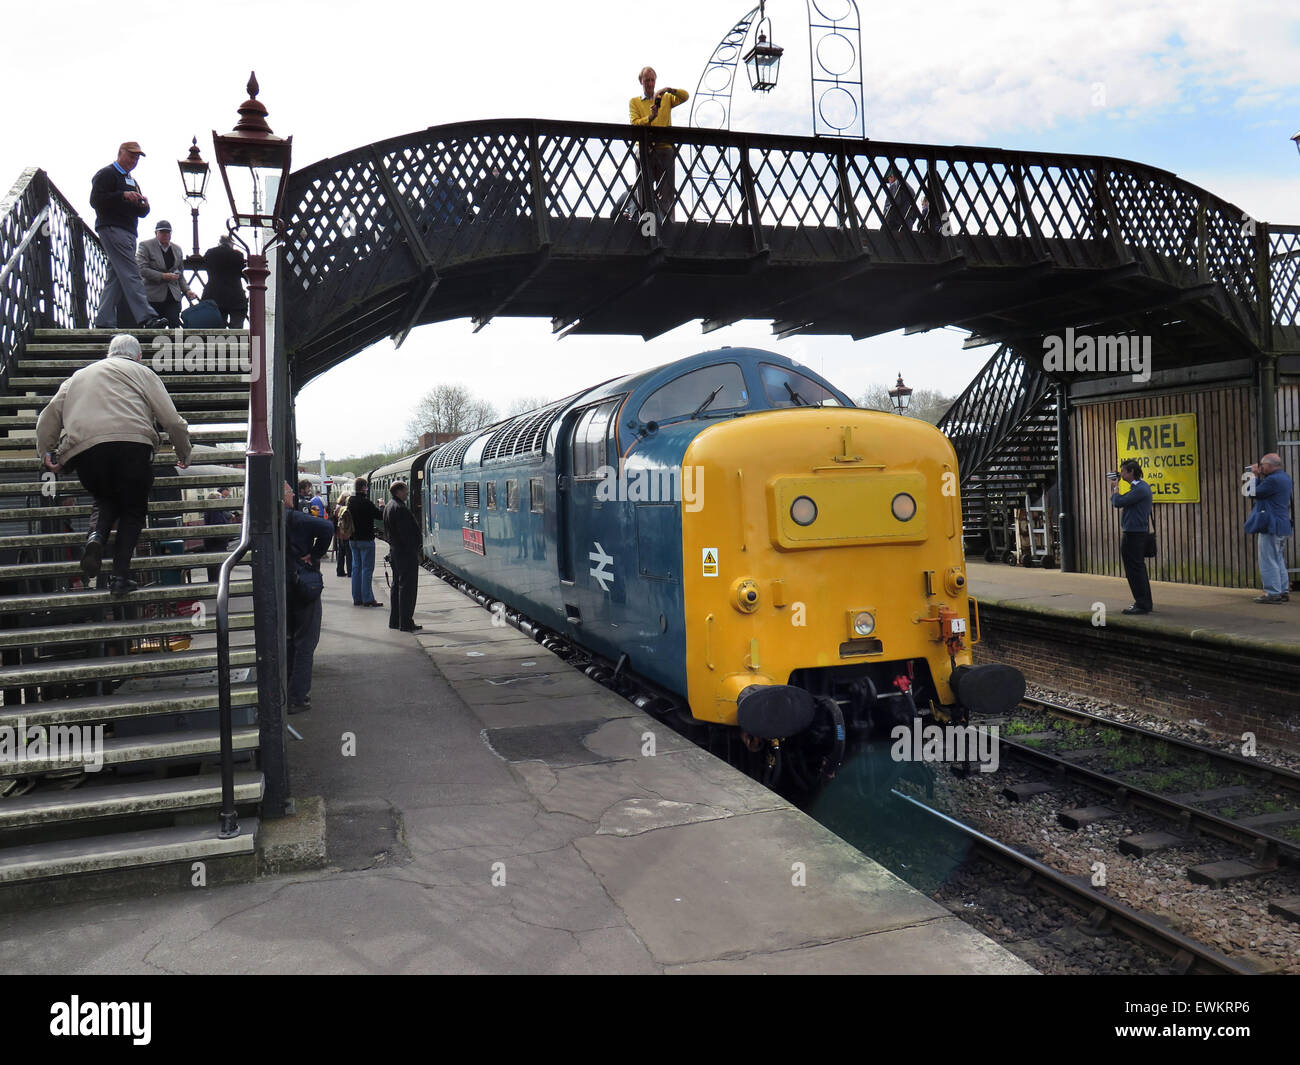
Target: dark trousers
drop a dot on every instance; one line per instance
(303, 633)
(119, 475)
(406, 571)
(234, 317)
(210, 546)
(344, 555)
(1131, 548)
(170, 308)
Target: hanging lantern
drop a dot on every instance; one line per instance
(763, 61)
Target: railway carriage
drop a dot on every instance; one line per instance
(732, 534)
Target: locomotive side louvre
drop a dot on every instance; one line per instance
(799, 536)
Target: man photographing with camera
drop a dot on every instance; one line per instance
(1135, 526)
(655, 109)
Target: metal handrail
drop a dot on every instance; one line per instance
(229, 818)
(28, 237)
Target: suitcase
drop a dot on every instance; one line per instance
(203, 315)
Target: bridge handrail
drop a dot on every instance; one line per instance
(52, 268)
(763, 182)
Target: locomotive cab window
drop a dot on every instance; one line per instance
(591, 436)
(707, 390)
(787, 388)
(492, 495)
(537, 495)
(512, 494)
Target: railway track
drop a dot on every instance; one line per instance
(1147, 759)
(1101, 913)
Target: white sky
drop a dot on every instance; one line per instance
(1204, 87)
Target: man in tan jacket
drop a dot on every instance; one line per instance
(101, 425)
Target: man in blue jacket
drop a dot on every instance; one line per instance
(1135, 523)
(1271, 522)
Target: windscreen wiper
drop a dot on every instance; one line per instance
(799, 401)
(703, 406)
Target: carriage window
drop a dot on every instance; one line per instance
(455, 494)
(537, 493)
(446, 495)
(786, 388)
(688, 393)
(492, 495)
(512, 495)
(591, 436)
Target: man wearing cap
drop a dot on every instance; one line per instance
(119, 205)
(100, 424)
(160, 266)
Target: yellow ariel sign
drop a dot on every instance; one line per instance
(1166, 448)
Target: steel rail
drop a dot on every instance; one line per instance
(1189, 954)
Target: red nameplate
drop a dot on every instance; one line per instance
(473, 541)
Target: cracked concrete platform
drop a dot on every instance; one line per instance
(499, 812)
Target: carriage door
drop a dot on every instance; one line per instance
(583, 517)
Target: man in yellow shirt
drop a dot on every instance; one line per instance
(655, 109)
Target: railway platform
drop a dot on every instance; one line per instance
(490, 809)
(1207, 656)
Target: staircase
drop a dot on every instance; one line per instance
(142, 666)
(1003, 428)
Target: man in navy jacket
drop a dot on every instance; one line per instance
(1273, 505)
(306, 541)
(1135, 524)
(119, 205)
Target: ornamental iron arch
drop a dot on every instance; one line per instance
(835, 64)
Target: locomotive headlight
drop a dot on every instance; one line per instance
(864, 623)
(803, 511)
(903, 507)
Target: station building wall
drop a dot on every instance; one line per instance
(1198, 543)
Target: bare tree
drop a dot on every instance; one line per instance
(926, 403)
(523, 404)
(448, 408)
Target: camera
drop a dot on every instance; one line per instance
(1112, 476)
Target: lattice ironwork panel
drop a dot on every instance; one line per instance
(594, 178)
(20, 297)
(801, 193)
(1062, 201)
(1155, 214)
(1230, 254)
(1284, 271)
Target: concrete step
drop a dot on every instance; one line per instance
(201, 455)
(200, 435)
(156, 506)
(98, 335)
(75, 487)
(123, 850)
(95, 632)
(77, 539)
(146, 563)
(157, 593)
(190, 382)
(50, 672)
(200, 743)
(124, 704)
(232, 416)
(185, 401)
(126, 799)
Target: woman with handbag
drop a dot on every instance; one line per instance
(1137, 541)
(342, 548)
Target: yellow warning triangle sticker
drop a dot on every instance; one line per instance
(709, 560)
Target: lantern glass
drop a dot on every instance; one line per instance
(194, 176)
(763, 65)
(254, 164)
(901, 395)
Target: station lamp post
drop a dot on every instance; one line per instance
(900, 395)
(253, 161)
(763, 61)
(250, 159)
(194, 176)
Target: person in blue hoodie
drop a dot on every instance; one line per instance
(1270, 521)
(1135, 524)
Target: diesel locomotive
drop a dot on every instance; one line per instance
(730, 538)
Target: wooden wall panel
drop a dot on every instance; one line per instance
(1199, 543)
